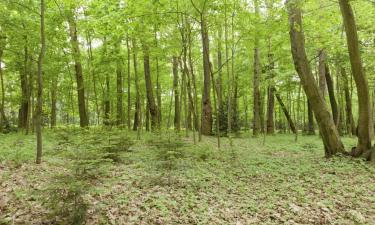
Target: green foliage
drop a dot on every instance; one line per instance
(65, 195)
(223, 117)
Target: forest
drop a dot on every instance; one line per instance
(187, 112)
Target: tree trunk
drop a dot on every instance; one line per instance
(330, 135)
(364, 107)
(206, 98)
(92, 74)
(83, 120)
(285, 110)
(137, 113)
(256, 79)
(53, 103)
(149, 90)
(119, 87)
(310, 118)
(3, 118)
(38, 116)
(128, 93)
(23, 111)
(331, 93)
(270, 111)
(322, 73)
(177, 114)
(350, 123)
(158, 86)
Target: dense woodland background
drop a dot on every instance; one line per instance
(140, 65)
(132, 102)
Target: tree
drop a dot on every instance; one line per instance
(84, 122)
(364, 107)
(38, 116)
(328, 130)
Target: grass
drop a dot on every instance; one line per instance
(281, 182)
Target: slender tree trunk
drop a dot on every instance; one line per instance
(364, 101)
(177, 114)
(229, 75)
(322, 73)
(310, 118)
(137, 113)
(84, 122)
(4, 121)
(119, 87)
(92, 73)
(270, 111)
(128, 93)
(158, 86)
(53, 103)
(38, 116)
(350, 123)
(285, 110)
(328, 130)
(23, 111)
(191, 66)
(331, 93)
(149, 90)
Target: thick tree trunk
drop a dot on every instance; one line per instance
(206, 99)
(38, 116)
(83, 120)
(177, 114)
(328, 130)
(149, 90)
(364, 101)
(256, 79)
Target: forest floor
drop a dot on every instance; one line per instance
(108, 177)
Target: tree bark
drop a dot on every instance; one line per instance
(53, 103)
(270, 111)
(328, 130)
(128, 93)
(364, 101)
(322, 73)
(285, 111)
(3, 118)
(83, 119)
(256, 79)
(177, 114)
(137, 113)
(350, 123)
(331, 93)
(310, 118)
(119, 87)
(206, 98)
(38, 116)
(149, 90)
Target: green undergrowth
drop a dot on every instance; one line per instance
(107, 176)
